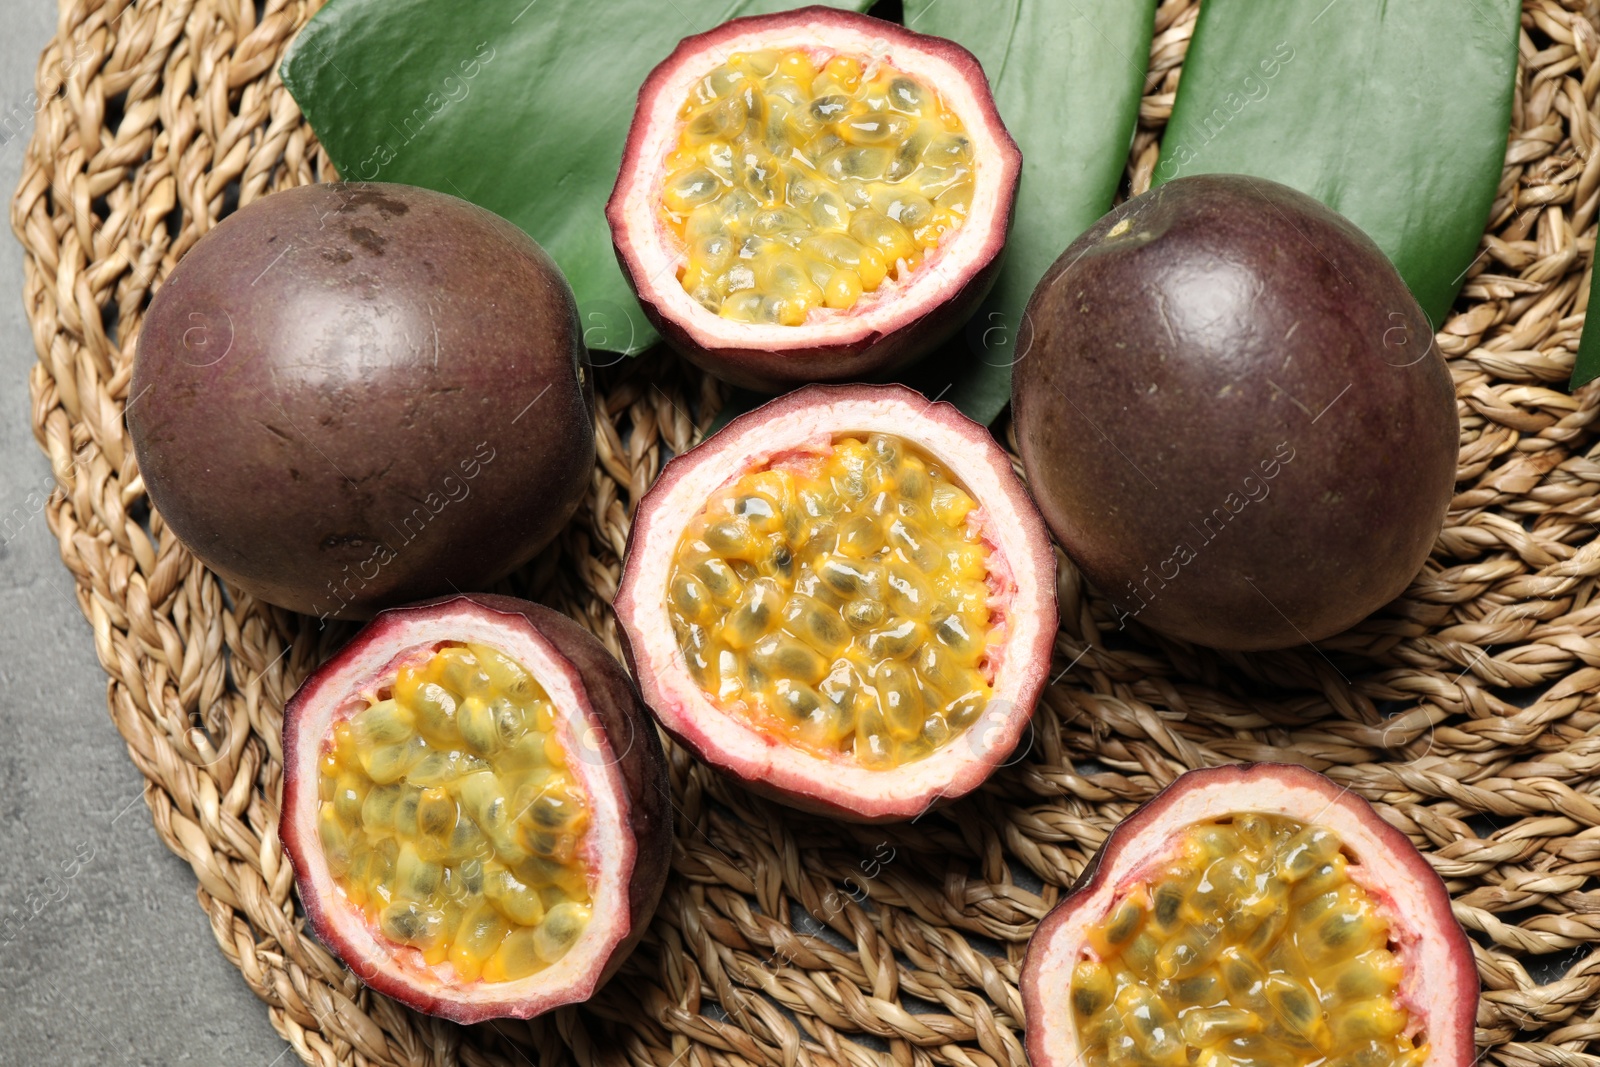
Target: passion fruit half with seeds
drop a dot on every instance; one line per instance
(844, 599)
(814, 195)
(476, 806)
(1256, 914)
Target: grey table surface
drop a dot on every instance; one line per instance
(105, 955)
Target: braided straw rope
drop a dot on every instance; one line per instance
(1467, 709)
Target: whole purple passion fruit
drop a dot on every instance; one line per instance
(350, 396)
(1233, 416)
(843, 599)
(813, 195)
(1254, 914)
(476, 806)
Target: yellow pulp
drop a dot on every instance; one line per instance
(803, 179)
(450, 817)
(1253, 948)
(839, 601)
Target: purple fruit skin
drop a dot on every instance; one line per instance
(350, 396)
(1172, 368)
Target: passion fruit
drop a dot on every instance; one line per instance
(1256, 914)
(813, 195)
(844, 599)
(351, 396)
(1233, 415)
(476, 806)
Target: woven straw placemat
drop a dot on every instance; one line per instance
(1467, 709)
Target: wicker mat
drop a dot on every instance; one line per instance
(1468, 708)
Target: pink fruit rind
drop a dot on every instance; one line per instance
(612, 749)
(840, 787)
(1440, 980)
(886, 329)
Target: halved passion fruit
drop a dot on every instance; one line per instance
(845, 599)
(1254, 915)
(476, 807)
(812, 196)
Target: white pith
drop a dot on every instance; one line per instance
(657, 251)
(589, 759)
(1381, 871)
(687, 711)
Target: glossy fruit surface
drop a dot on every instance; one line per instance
(476, 806)
(350, 396)
(1257, 912)
(1233, 415)
(813, 195)
(843, 599)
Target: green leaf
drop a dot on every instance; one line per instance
(1067, 75)
(1393, 114)
(1586, 368)
(521, 106)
